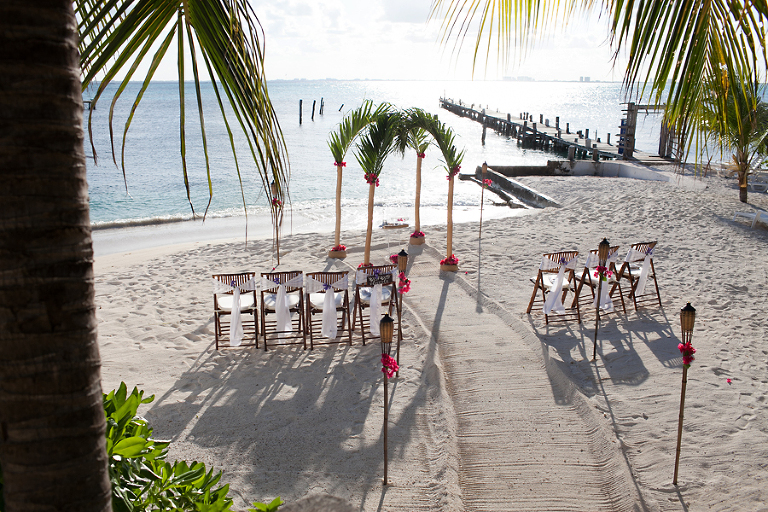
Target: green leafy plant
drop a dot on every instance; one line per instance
(271, 507)
(141, 477)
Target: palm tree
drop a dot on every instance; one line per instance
(417, 139)
(675, 48)
(445, 140)
(53, 433)
(372, 149)
(340, 141)
(734, 118)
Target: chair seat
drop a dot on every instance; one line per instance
(225, 302)
(271, 298)
(549, 281)
(365, 294)
(317, 300)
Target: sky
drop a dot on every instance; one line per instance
(391, 39)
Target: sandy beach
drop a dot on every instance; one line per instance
(493, 409)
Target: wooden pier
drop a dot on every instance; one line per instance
(542, 134)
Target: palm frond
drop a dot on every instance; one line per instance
(378, 141)
(225, 33)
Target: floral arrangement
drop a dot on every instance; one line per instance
(339, 247)
(365, 265)
(276, 202)
(393, 258)
(388, 365)
(603, 272)
(452, 260)
(340, 164)
(372, 179)
(687, 350)
(421, 155)
(487, 183)
(453, 172)
(418, 234)
(405, 284)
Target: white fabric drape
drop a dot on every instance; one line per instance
(554, 302)
(330, 326)
(634, 255)
(593, 261)
(606, 303)
(361, 277)
(235, 323)
(282, 309)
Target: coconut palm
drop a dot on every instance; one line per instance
(735, 119)
(339, 143)
(416, 138)
(675, 48)
(53, 426)
(374, 146)
(117, 35)
(445, 140)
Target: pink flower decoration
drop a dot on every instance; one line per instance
(603, 272)
(365, 265)
(393, 258)
(452, 260)
(453, 172)
(418, 234)
(687, 350)
(728, 381)
(372, 179)
(389, 365)
(421, 155)
(340, 164)
(405, 284)
(339, 247)
(276, 202)
(487, 183)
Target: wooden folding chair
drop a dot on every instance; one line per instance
(632, 270)
(223, 299)
(365, 280)
(587, 276)
(293, 284)
(319, 284)
(546, 282)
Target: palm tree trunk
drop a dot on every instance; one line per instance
(417, 202)
(449, 241)
(742, 185)
(52, 444)
(337, 238)
(369, 233)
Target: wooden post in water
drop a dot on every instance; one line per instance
(300, 110)
(484, 127)
(557, 122)
(567, 128)
(322, 106)
(313, 109)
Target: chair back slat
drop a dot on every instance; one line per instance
(643, 248)
(284, 277)
(327, 277)
(239, 279)
(557, 257)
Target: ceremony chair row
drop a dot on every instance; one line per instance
(285, 306)
(557, 276)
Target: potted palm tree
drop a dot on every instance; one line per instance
(417, 139)
(372, 149)
(340, 141)
(452, 157)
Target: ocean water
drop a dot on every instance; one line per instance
(155, 188)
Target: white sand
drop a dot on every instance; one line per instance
(489, 400)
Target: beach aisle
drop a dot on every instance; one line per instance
(526, 440)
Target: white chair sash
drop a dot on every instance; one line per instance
(554, 302)
(606, 304)
(236, 323)
(375, 310)
(330, 326)
(282, 310)
(593, 259)
(634, 255)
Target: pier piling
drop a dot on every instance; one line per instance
(300, 110)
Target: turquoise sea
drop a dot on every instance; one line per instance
(156, 193)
